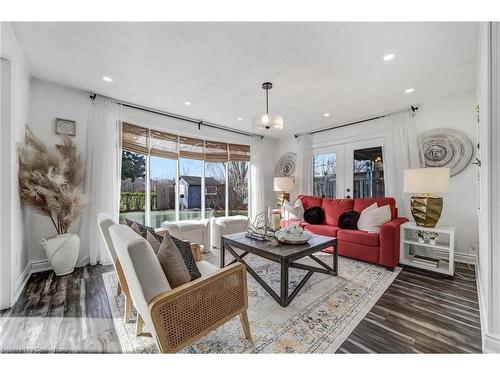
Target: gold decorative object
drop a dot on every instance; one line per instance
(426, 210)
(283, 186)
(281, 197)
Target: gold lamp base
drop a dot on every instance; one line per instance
(426, 210)
(281, 197)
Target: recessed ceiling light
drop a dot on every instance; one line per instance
(388, 57)
(410, 90)
(187, 103)
(240, 118)
(326, 114)
(107, 79)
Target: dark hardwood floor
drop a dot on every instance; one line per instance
(419, 312)
(61, 314)
(422, 313)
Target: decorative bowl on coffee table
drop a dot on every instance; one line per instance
(292, 235)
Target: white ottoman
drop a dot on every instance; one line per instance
(226, 225)
(194, 231)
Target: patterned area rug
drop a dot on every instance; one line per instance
(318, 320)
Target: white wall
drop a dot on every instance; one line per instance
(14, 256)
(491, 337)
(455, 112)
(484, 201)
(49, 101)
(460, 203)
(488, 94)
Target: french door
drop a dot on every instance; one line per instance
(349, 170)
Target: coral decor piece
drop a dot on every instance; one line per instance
(49, 180)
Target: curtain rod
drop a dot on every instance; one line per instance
(412, 108)
(200, 123)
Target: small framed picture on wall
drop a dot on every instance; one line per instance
(65, 127)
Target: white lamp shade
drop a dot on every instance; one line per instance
(283, 184)
(267, 121)
(427, 180)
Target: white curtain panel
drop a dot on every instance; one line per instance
(103, 175)
(304, 174)
(257, 183)
(400, 153)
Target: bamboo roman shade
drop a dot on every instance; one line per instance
(164, 144)
(167, 145)
(239, 152)
(191, 148)
(216, 151)
(135, 138)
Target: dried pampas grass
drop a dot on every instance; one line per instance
(49, 180)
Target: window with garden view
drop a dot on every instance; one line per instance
(166, 177)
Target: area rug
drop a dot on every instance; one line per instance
(318, 320)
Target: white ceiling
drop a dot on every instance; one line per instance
(219, 67)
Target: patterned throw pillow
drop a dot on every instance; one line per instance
(185, 250)
(134, 226)
(184, 247)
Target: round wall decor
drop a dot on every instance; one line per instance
(445, 148)
(286, 165)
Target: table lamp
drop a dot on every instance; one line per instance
(425, 207)
(283, 186)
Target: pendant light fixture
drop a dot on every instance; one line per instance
(267, 120)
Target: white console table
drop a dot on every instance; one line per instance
(444, 249)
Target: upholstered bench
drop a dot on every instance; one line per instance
(225, 225)
(194, 231)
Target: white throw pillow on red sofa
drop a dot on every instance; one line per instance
(295, 212)
(373, 217)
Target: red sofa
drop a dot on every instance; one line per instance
(380, 248)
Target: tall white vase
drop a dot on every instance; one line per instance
(62, 252)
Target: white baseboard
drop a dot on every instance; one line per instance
(21, 283)
(466, 258)
(491, 343)
(44, 265)
(40, 266)
(482, 305)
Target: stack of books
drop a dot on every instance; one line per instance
(426, 261)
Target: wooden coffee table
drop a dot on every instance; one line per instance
(285, 255)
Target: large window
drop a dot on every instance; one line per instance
(190, 182)
(215, 189)
(162, 173)
(133, 187)
(238, 187)
(325, 175)
(166, 177)
(368, 173)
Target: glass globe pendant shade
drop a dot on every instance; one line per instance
(267, 121)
